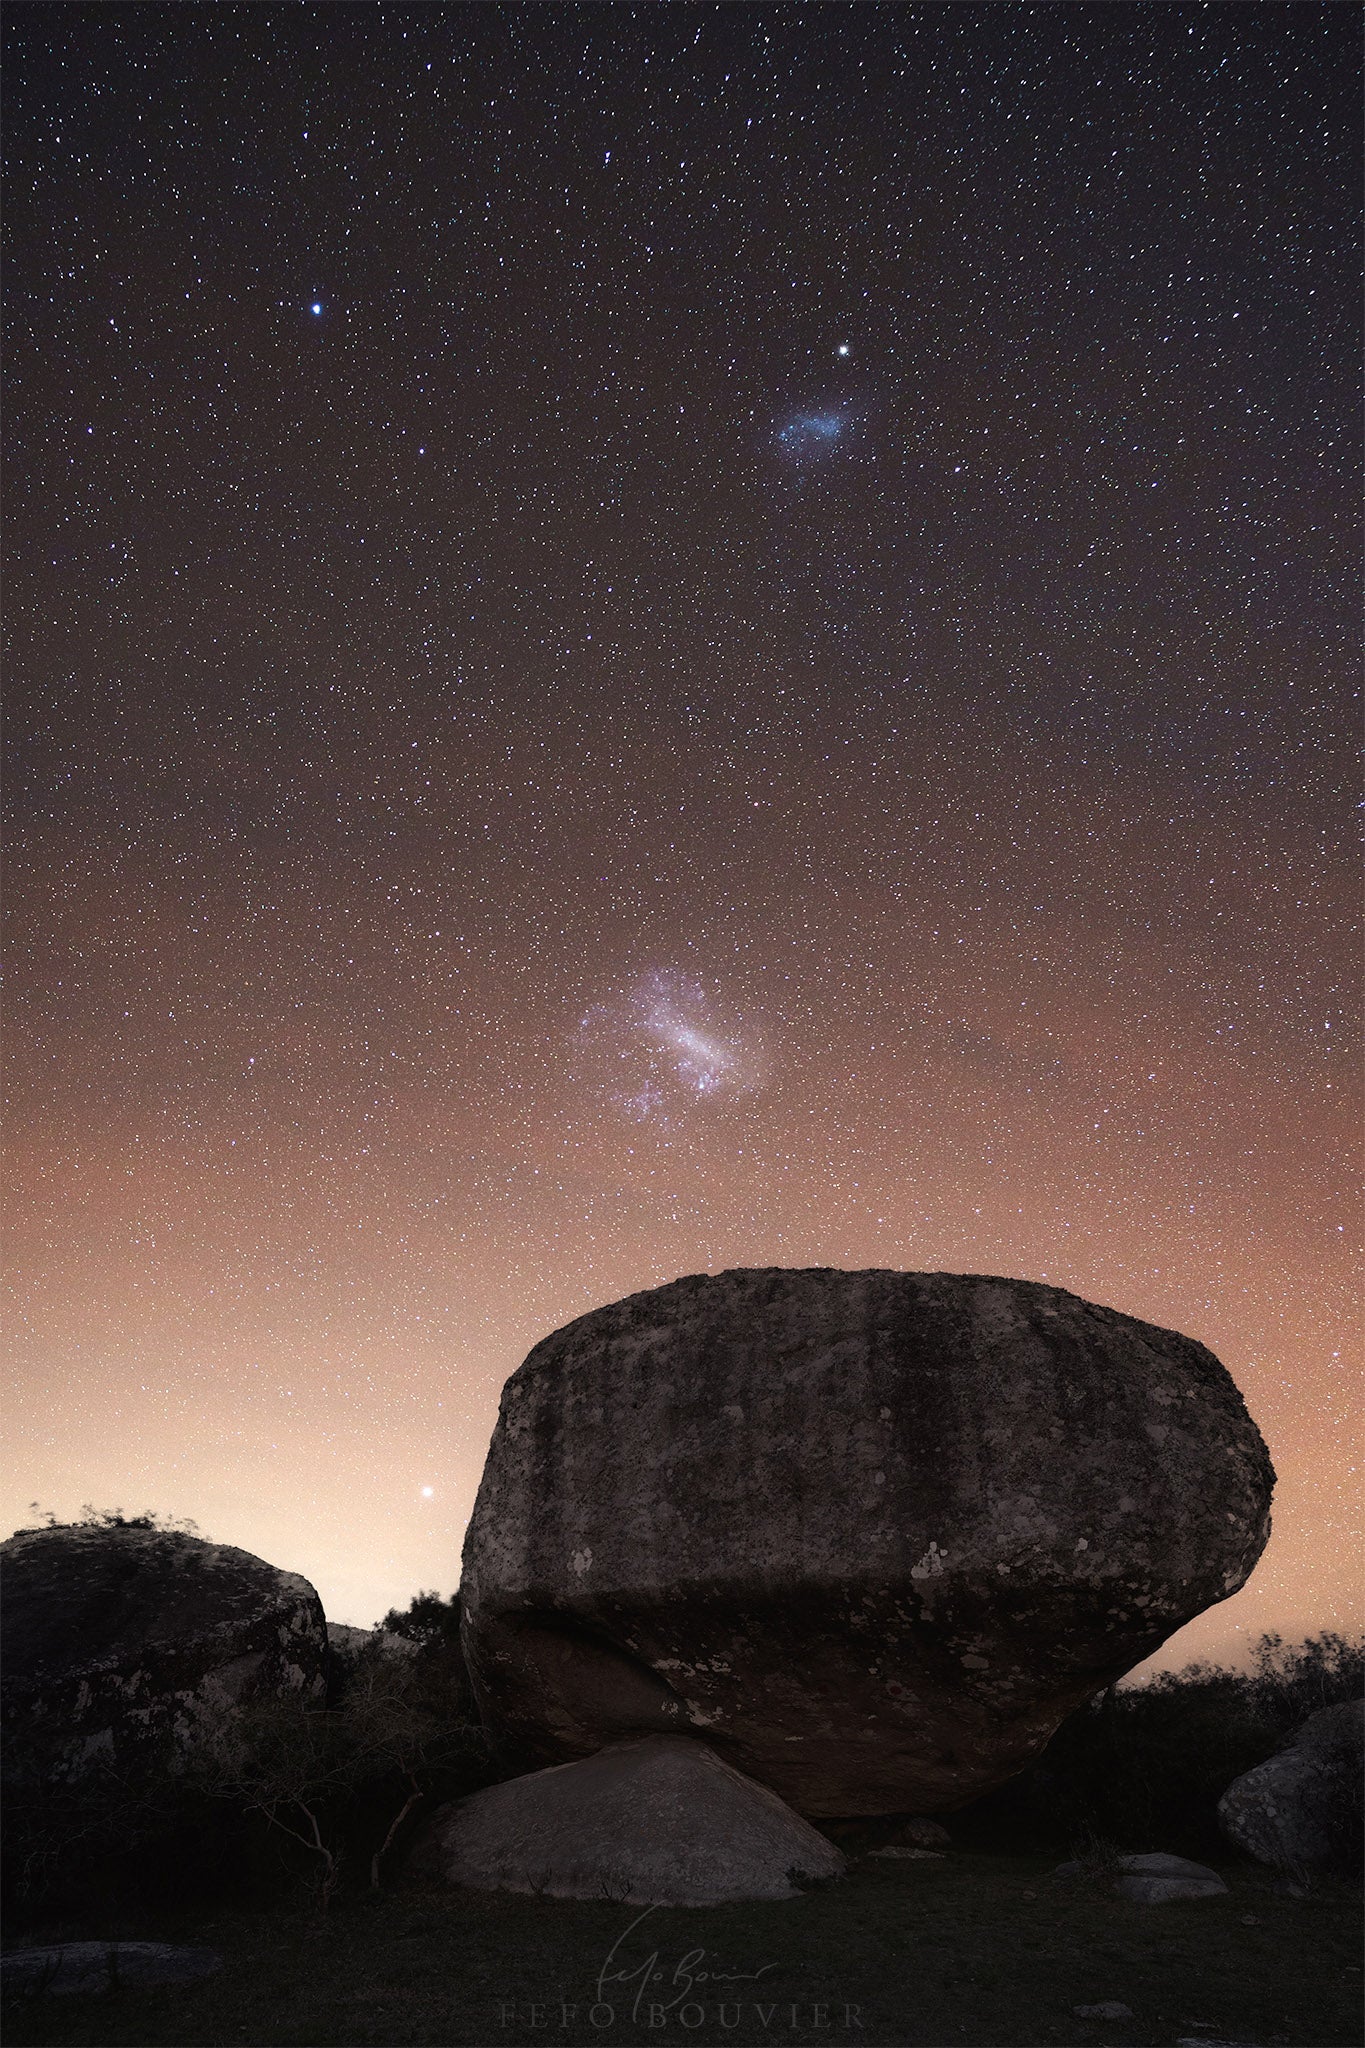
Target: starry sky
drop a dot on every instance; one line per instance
(652, 638)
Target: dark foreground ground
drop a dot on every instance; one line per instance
(979, 1949)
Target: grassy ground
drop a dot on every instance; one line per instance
(983, 1950)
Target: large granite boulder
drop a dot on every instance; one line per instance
(122, 1646)
(872, 1534)
(1301, 1809)
(661, 1822)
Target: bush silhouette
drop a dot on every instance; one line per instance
(322, 1794)
(1144, 1767)
(427, 1619)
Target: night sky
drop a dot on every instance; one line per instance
(647, 639)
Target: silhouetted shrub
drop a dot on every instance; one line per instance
(427, 1619)
(108, 1518)
(434, 1625)
(321, 1795)
(1145, 1767)
(342, 1783)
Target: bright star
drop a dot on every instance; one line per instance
(316, 306)
(427, 1492)
(843, 349)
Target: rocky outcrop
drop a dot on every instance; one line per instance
(660, 1822)
(122, 1645)
(1301, 1809)
(872, 1535)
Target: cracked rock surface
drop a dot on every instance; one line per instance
(872, 1535)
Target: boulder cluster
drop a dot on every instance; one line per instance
(750, 1551)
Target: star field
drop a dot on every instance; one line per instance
(644, 639)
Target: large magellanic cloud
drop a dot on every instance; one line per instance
(661, 1048)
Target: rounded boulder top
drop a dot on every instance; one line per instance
(872, 1534)
(80, 1593)
(117, 1637)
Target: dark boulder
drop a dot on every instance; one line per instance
(873, 1535)
(1151, 1880)
(123, 1645)
(86, 1968)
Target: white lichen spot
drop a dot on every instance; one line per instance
(930, 1565)
(1082, 1543)
(883, 1414)
(971, 1663)
(580, 1562)
(879, 1478)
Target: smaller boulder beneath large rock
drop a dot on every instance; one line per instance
(660, 1822)
(1301, 1809)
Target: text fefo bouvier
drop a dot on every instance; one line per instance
(553, 2015)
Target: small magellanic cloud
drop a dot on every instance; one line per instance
(811, 433)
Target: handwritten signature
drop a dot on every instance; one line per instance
(688, 1972)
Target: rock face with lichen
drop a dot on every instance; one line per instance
(870, 1535)
(1302, 1809)
(122, 1645)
